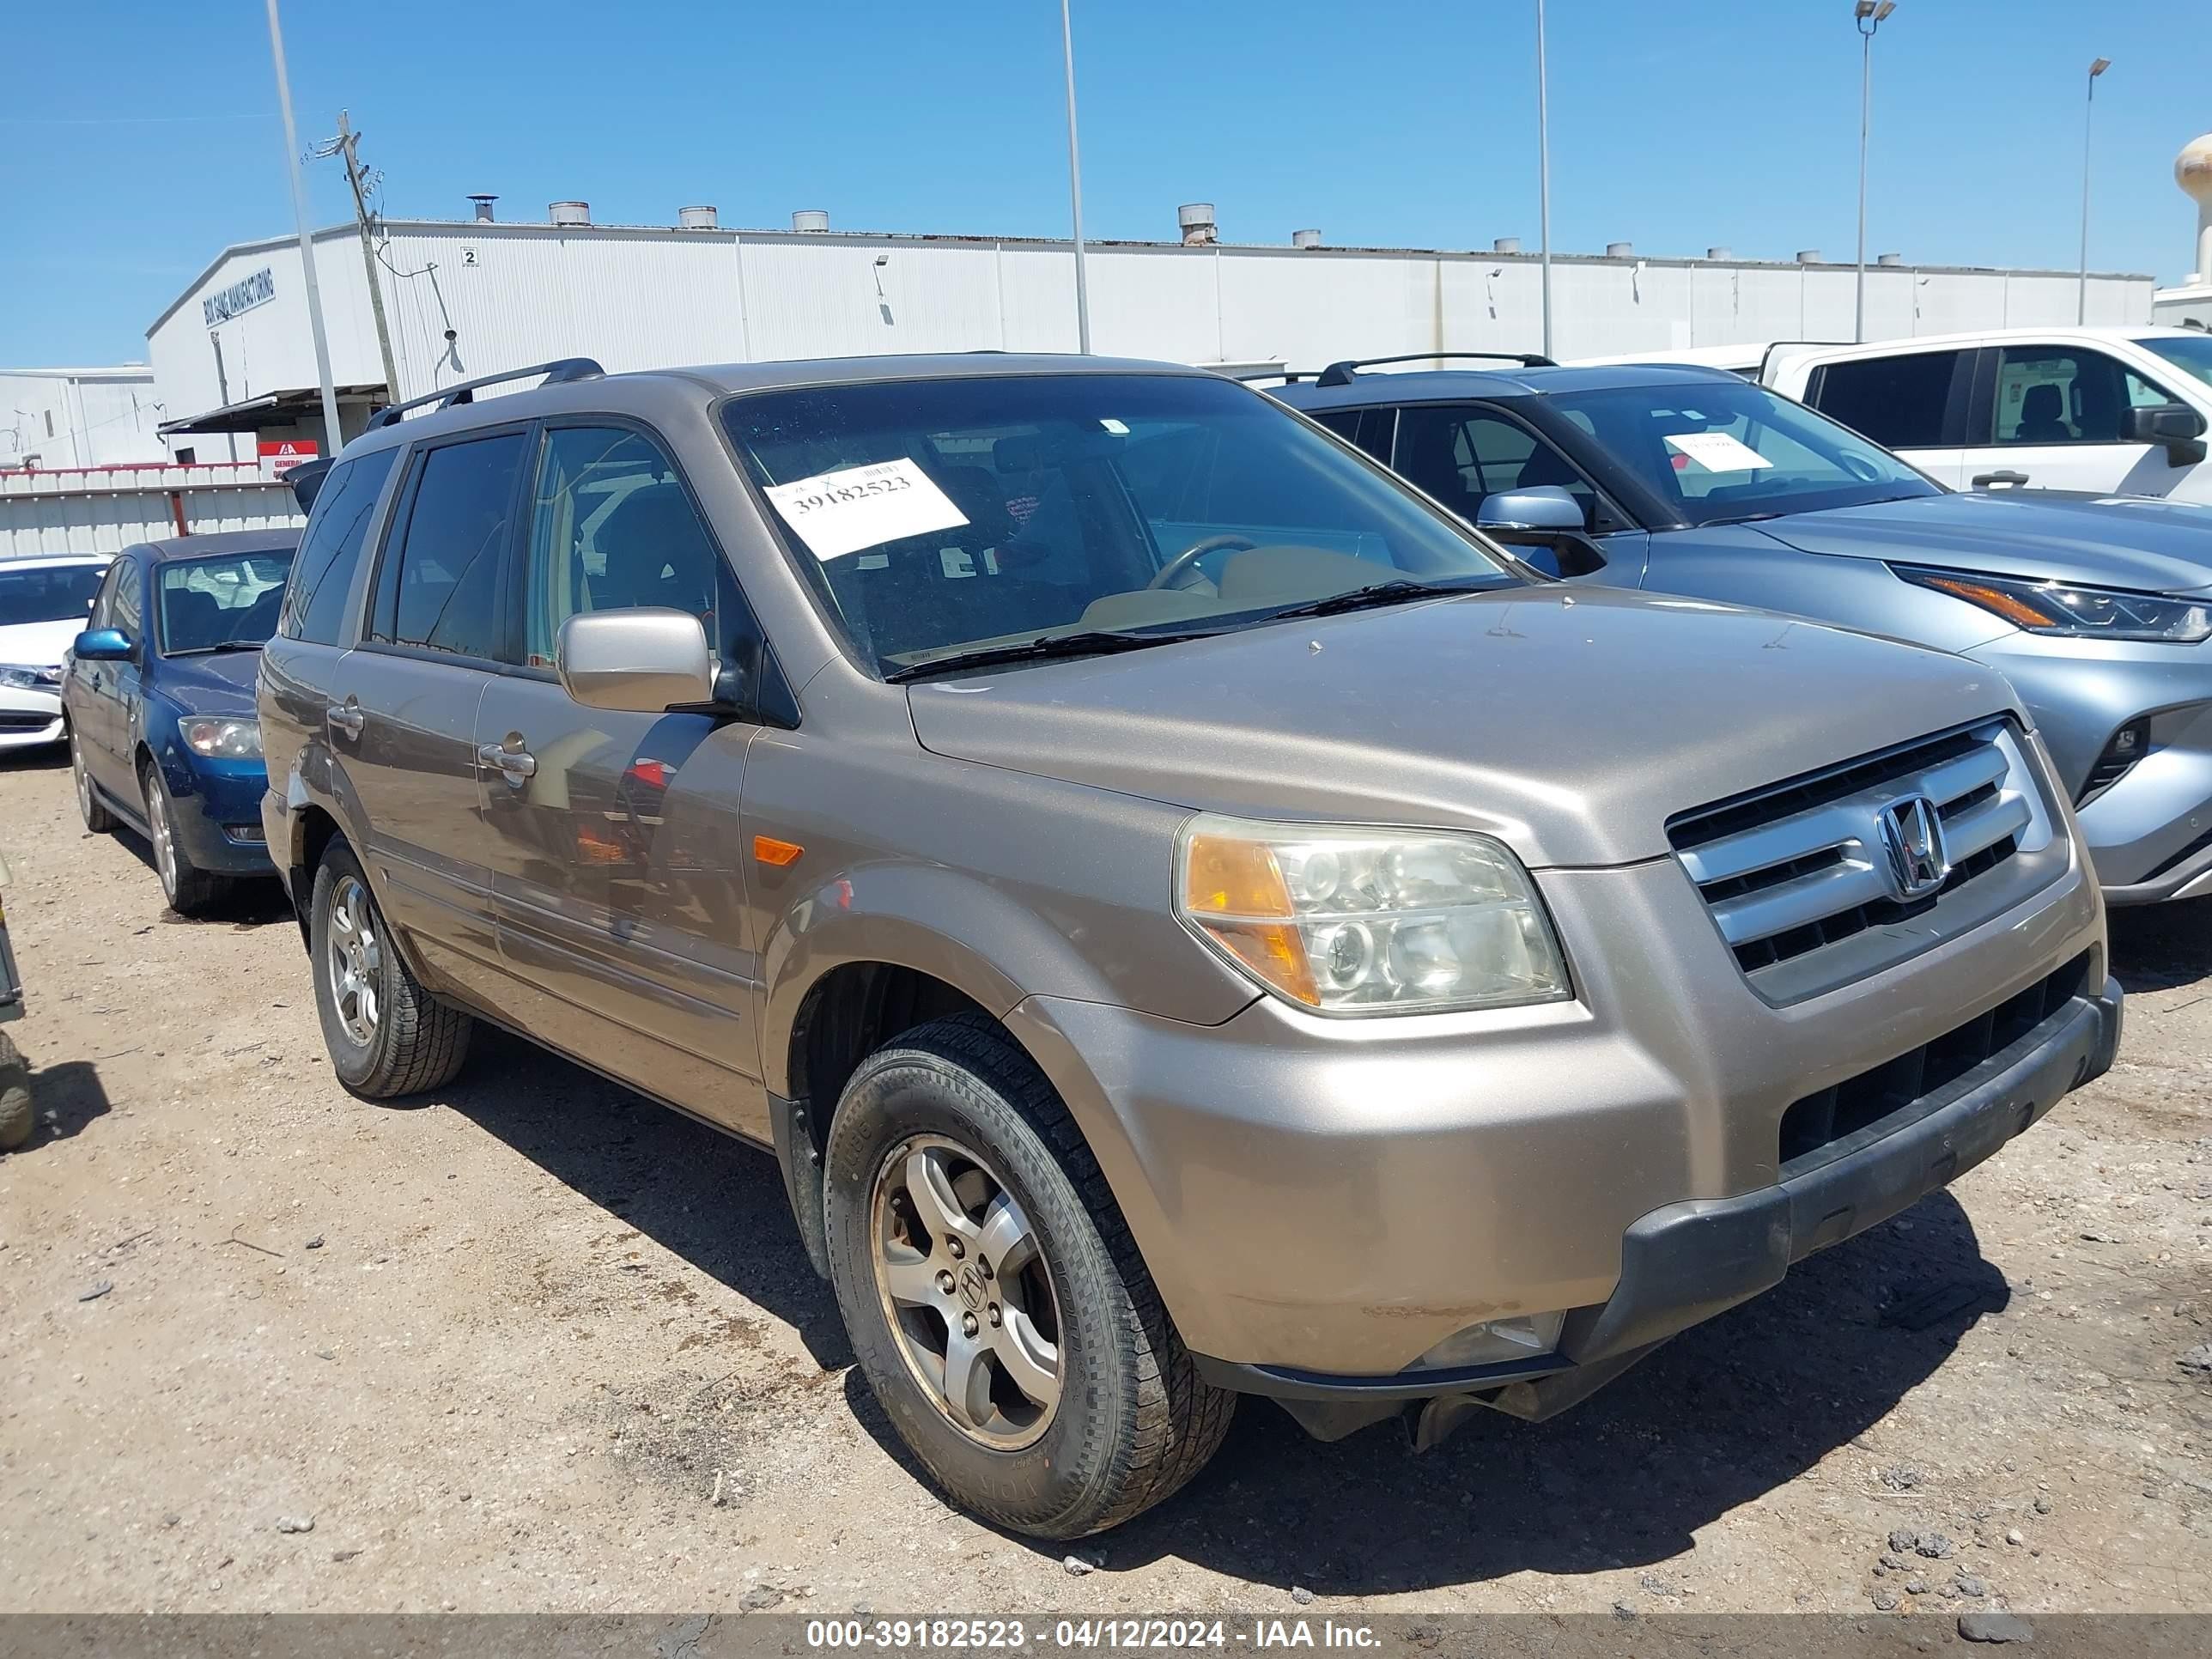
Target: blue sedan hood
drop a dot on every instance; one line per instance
(221, 681)
(2106, 541)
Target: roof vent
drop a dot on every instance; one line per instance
(1720, 255)
(1506, 245)
(484, 208)
(568, 213)
(697, 218)
(1889, 258)
(810, 219)
(1809, 256)
(1196, 219)
(1621, 250)
(1305, 239)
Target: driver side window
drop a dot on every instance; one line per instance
(1461, 455)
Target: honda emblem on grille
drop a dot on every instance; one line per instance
(1913, 854)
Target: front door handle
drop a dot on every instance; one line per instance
(347, 718)
(1983, 480)
(515, 764)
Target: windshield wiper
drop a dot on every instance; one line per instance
(1092, 643)
(219, 645)
(1746, 518)
(1378, 593)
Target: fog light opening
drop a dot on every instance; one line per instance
(2129, 745)
(1495, 1341)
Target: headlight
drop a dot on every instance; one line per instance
(220, 740)
(23, 677)
(1368, 921)
(2089, 613)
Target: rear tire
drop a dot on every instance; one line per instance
(1077, 1319)
(190, 890)
(97, 818)
(16, 1119)
(387, 1036)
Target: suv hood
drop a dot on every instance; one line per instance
(2107, 541)
(38, 644)
(218, 682)
(1570, 722)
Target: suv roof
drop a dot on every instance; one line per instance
(1445, 385)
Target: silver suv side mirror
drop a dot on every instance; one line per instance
(639, 661)
(1539, 506)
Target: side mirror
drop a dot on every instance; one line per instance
(1541, 507)
(102, 645)
(642, 661)
(2177, 426)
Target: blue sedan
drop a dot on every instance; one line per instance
(157, 694)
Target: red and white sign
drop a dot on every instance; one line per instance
(281, 455)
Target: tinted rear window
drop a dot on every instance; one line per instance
(440, 583)
(329, 551)
(1898, 402)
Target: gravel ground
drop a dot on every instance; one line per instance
(533, 1343)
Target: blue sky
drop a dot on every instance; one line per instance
(137, 139)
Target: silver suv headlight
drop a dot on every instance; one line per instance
(1350, 921)
(220, 740)
(2089, 613)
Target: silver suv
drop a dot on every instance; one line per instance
(1191, 917)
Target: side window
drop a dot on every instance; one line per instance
(102, 614)
(439, 586)
(1345, 422)
(1898, 402)
(2065, 395)
(330, 550)
(1462, 455)
(125, 610)
(611, 527)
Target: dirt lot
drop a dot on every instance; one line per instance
(502, 1349)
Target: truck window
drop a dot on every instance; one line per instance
(2065, 395)
(1898, 402)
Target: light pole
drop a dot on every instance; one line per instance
(1075, 186)
(2088, 111)
(331, 434)
(1544, 177)
(1867, 16)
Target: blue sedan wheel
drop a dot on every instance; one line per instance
(190, 890)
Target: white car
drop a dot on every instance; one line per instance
(2111, 411)
(43, 601)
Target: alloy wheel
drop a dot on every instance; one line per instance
(80, 779)
(967, 1291)
(165, 840)
(356, 959)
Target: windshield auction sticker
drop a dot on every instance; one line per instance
(854, 507)
(1718, 451)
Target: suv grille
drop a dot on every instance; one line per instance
(1795, 870)
(1916, 1083)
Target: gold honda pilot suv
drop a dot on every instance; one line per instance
(1191, 917)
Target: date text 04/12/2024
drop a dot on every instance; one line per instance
(1144, 1634)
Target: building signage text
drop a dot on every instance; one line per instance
(242, 295)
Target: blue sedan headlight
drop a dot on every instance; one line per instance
(220, 740)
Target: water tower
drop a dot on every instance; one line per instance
(2192, 171)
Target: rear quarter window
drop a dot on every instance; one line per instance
(331, 548)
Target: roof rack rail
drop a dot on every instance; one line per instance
(558, 373)
(1340, 373)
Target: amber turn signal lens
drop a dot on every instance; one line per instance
(2010, 606)
(771, 851)
(1234, 889)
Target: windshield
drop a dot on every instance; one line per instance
(944, 516)
(1723, 450)
(214, 604)
(2191, 356)
(57, 594)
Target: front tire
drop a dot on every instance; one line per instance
(996, 1301)
(190, 890)
(16, 1119)
(97, 818)
(387, 1036)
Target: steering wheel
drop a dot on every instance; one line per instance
(1181, 564)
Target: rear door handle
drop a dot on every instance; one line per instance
(1983, 480)
(347, 718)
(516, 764)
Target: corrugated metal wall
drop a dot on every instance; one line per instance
(516, 294)
(106, 509)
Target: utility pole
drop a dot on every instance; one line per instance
(1075, 186)
(1867, 16)
(2089, 115)
(1544, 172)
(306, 242)
(347, 146)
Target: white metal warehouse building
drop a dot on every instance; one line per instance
(232, 359)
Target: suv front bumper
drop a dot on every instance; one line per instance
(1322, 1202)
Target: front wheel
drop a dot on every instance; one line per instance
(190, 890)
(996, 1303)
(387, 1036)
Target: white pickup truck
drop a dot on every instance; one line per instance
(2116, 411)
